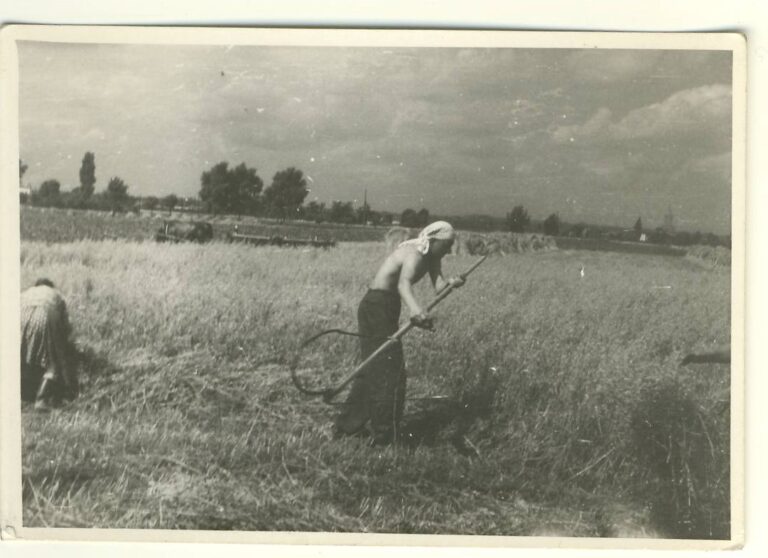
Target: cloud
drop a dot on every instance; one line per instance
(474, 129)
(718, 165)
(604, 166)
(597, 65)
(596, 127)
(698, 112)
(94, 134)
(693, 111)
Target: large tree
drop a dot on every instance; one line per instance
(117, 194)
(286, 193)
(364, 214)
(342, 212)
(49, 194)
(150, 202)
(415, 219)
(422, 217)
(247, 188)
(551, 225)
(215, 191)
(170, 201)
(225, 190)
(88, 174)
(50, 188)
(409, 218)
(518, 219)
(315, 211)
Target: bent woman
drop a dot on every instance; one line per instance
(47, 374)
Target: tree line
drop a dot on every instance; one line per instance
(224, 190)
(114, 197)
(239, 190)
(518, 220)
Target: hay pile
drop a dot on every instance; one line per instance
(712, 256)
(477, 244)
(503, 243)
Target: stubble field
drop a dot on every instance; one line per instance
(568, 386)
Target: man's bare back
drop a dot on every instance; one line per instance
(406, 266)
(388, 276)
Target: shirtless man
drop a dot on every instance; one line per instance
(377, 395)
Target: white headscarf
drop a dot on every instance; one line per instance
(40, 295)
(439, 230)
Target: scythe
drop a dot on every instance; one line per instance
(330, 392)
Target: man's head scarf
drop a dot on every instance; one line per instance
(439, 230)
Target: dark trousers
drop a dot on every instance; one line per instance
(377, 395)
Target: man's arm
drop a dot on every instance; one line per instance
(438, 281)
(408, 276)
(436, 275)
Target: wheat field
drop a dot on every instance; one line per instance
(569, 388)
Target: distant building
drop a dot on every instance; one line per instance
(24, 194)
(643, 237)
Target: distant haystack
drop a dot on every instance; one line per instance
(506, 243)
(460, 244)
(396, 235)
(482, 245)
(477, 244)
(712, 256)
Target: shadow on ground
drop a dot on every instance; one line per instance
(437, 421)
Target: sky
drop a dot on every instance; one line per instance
(596, 135)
